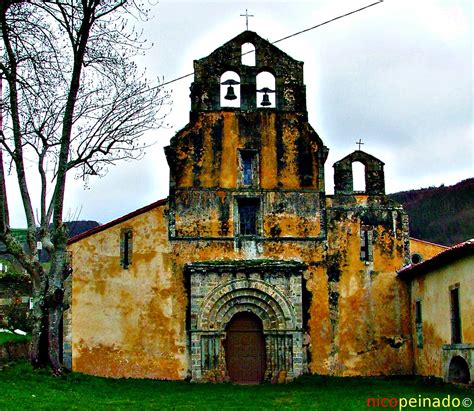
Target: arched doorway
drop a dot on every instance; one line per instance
(245, 349)
(459, 370)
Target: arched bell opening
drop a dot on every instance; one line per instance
(368, 178)
(230, 89)
(266, 96)
(358, 177)
(248, 54)
(245, 348)
(459, 370)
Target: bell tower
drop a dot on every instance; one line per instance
(248, 164)
(289, 89)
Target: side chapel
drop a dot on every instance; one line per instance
(248, 271)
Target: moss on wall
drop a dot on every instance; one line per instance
(128, 322)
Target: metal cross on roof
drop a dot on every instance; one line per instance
(359, 143)
(247, 15)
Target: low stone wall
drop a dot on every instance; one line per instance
(14, 311)
(14, 350)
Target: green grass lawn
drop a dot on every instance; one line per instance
(22, 388)
(8, 337)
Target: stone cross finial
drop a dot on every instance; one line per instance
(359, 143)
(247, 15)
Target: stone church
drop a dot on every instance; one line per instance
(248, 271)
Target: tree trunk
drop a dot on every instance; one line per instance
(54, 349)
(54, 299)
(48, 307)
(39, 327)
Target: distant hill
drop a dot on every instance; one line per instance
(443, 215)
(75, 228)
(78, 227)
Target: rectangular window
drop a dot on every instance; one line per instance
(126, 247)
(365, 244)
(418, 319)
(455, 316)
(418, 324)
(248, 216)
(248, 167)
(247, 170)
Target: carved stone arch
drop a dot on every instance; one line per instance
(270, 314)
(267, 290)
(240, 289)
(260, 312)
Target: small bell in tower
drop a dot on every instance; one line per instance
(230, 90)
(266, 98)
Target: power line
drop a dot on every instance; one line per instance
(284, 38)
(328, 21)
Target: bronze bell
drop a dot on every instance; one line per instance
(230, 94)
(230, 90)
(266, 98)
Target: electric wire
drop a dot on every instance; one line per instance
(283, 38)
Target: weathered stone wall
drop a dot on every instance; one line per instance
(244, 254)
(205, 153)
(128, 322)
(138, 321)
(213, 214)
(205, 175)
(374, 174)
(15, 292)
(132, 322)
(424, 249)
(433, 290)
(288, 72)
(359, 322)
(270, 289)
(13, 351)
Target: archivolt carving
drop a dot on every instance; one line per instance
(275, 311)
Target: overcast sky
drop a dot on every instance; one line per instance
(397, 75)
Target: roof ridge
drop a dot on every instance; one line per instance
(119, 220)
(443, 257)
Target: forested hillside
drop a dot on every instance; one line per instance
(443, 215)
(78, 227)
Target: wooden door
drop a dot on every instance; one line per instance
(245, 349)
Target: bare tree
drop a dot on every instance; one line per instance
(74, 101)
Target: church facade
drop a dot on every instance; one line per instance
(248, 271)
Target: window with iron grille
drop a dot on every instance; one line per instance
(248, 216)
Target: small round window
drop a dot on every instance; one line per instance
(416, 258)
